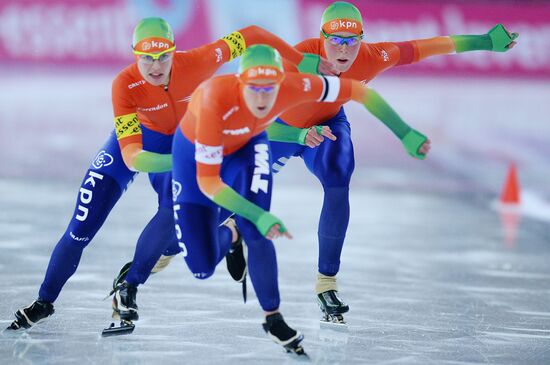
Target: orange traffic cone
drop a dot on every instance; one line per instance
(510, 192)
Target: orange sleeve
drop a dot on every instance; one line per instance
(208, 135)
(209, 143)
(256, 35)
(303, 88)
(309, 46)
(127, 125)
(384, 54)
(122, 103)
(289, 66)
(417, 50)
(206, 59)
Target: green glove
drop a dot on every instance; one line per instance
(268, 220)
(309, 64)
(500, 38)
(412, 141)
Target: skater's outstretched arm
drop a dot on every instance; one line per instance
(333, 89)
(223, 195)
(415, 143)
(211, 185)
(498, 39)
(234, 44)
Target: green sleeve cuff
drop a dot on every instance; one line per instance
(309, 64)
(384, 112)
(153, 162)
(466, 43)
(497, 40)
(412, 142)
(279, 132)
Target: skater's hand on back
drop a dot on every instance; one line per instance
(316, 135)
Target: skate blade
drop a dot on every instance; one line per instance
(337, 326)
(13, 328)
(125, 328)
(295, 348)
(298, 352)
(10, 330)
(334, 322)
(244, 289)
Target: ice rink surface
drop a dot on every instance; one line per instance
(432, 271)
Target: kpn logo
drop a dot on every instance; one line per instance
(155, 45)
(343, 24)
(261, 71)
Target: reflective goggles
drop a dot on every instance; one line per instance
(149, 58)
(266, 89)
(337, 40)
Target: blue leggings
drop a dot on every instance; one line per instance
(333, 164)
(102, 186)
(204, 243)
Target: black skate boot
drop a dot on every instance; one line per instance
(277, 329)
(35, 313)
(124, 302)
(236, 258)
(124, 308)
(332, 307)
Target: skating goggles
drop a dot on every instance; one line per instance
(337, 40)
(149, 58)
(266, 89)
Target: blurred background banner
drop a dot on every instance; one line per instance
(97, 33)
(90, 32)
